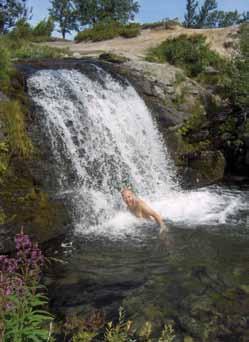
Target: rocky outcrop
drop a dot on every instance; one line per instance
(27, 185)
(182, 109)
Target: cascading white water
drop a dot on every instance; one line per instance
(102, 130)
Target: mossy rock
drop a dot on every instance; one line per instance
(113, 58)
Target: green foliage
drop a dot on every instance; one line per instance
(209, 16)
(194, 122)
(25, 320)
(239, 85)
(190, 16)
(64, 13)
(163, 24)
(205, 11)
(108, 30)
(44, 28)
(84, 336)
(223, 19)
(5, 68)
(22, 31)
(121, 332)
(13, 117)
(91, 12)
(32, 51)
(130, 31)
(11, 12)
(167, 334)
(190, 53)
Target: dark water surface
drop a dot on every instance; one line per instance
(196, 276)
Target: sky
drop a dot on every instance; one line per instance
(150, 10)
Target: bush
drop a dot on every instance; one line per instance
(130, 31)
(17, 140)
(190, 53)
(239, 87)
(44, 28)
(108, 30)
(22, 31)
(21, 302)
(164, 24)
(5, 68)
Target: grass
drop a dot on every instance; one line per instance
(17, 139)
(110, 30)
(33, 51)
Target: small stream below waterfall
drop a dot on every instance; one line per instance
(103, 138)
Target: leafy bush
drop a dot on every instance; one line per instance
(17, 140)
(21, 302)
(22, 31)
(108, 30)
(130, 31)
(44, 28)
(190, 53)
(239, 86)
(5, 68)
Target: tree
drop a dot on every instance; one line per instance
(190, 16)
(223, 19)
(64, 13)
(11, 11)
(44, 28)
(206, 10)
(94, 11)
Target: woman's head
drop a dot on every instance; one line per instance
(128, 196)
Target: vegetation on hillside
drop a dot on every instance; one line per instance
(109, 30)
(190, 53)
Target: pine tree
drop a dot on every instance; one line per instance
(63, 12)
(190, 16)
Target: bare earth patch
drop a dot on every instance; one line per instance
(220, 40)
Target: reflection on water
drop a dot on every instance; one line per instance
(197, 276)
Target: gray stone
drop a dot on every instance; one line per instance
(3, 97)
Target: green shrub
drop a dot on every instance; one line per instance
(44, 28)
(5, 68)
(108, 30)
(130, 31)
(239, 85)
(190, 53)
(22, 31)
(17, 139)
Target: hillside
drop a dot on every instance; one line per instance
(220, 40)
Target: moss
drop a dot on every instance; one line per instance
(195, 122)
(229, 126)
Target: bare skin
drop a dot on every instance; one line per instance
(141, 209)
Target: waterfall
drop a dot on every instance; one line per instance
(103, 138)
(105, 132)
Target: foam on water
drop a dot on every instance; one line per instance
(102, 130)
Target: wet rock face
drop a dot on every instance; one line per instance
(28, 188)
(183, 111)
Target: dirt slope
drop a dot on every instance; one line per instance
(220, 40)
